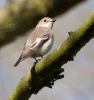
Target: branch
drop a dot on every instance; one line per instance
(47, 70)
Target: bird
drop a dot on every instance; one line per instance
(39, 42)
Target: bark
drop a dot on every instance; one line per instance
(48, 70)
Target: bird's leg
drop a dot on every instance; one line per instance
(41, 56)
(35, 59)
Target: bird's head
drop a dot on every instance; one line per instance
(46, 22)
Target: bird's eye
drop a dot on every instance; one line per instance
(45, 20)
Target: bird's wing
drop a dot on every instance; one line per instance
(34, 45)
(39, 41)
(35, 40)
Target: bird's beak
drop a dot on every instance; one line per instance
(53, 20)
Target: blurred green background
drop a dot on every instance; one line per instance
(17, 20)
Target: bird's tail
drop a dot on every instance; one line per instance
(18, 61)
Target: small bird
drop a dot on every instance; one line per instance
(39, 42)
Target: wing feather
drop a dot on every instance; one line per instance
(36, 41)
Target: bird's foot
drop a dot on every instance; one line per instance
(36, 61)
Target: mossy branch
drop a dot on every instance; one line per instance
(47, 70)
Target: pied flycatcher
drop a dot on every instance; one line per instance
(40, 40)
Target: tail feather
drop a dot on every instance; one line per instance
(18, 61)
